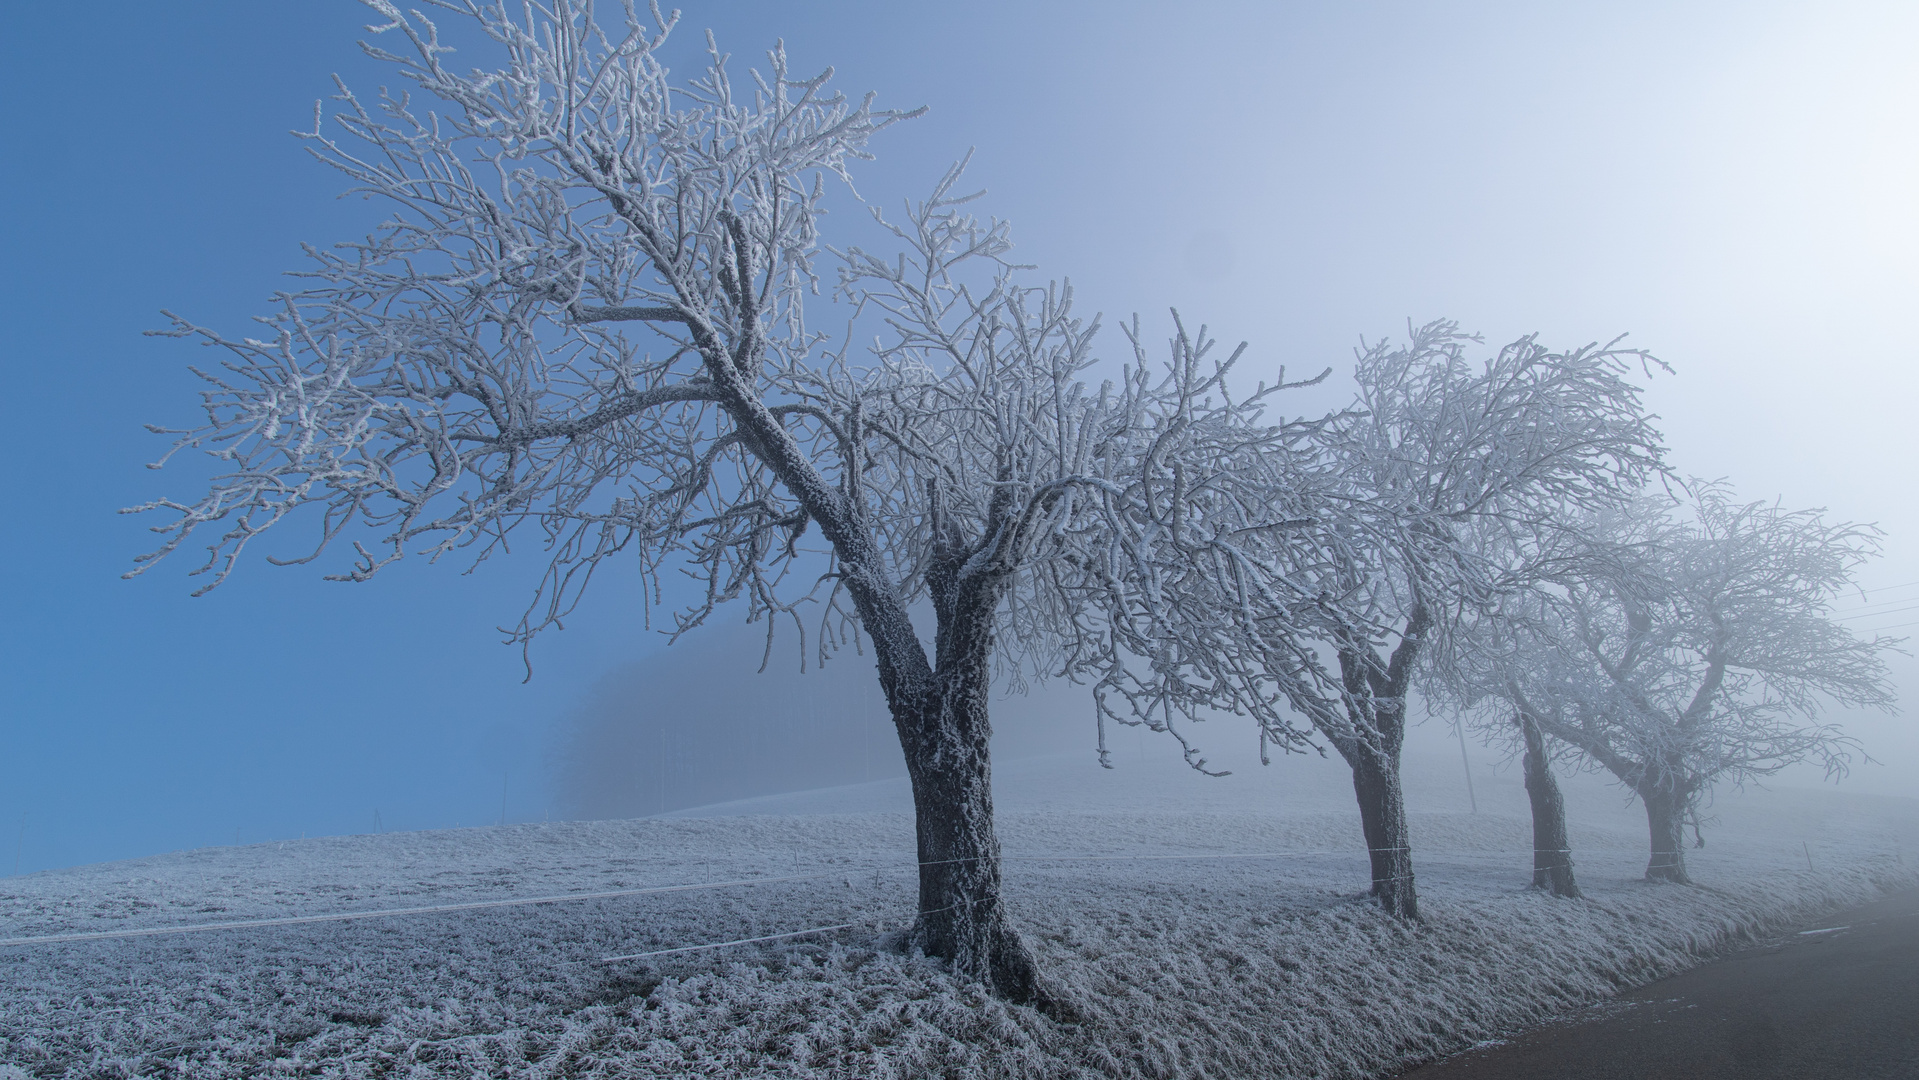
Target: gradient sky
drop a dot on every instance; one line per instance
(1737, 184)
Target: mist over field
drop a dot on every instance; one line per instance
(658, 735)
(1729, 183)
(1613, 299)
(991, 540)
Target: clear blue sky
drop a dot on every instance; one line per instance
(1735, 183)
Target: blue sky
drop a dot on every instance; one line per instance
(1732, 182)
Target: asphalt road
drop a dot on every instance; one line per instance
(1839, 1000)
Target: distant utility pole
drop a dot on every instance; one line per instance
(503, 773)
(1460, 727)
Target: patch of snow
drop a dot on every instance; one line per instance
(1216, 965)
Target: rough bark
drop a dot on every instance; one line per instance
(1375, 704)
(1382, 814)
(961, 915)
(940, 712)
(1668, 801)
(1552, 851)
(1666, 815)
(939, 708)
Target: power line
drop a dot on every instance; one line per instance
(1850, 611)
(1875, 614)
(1889, 588)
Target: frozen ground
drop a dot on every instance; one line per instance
(1257, 959)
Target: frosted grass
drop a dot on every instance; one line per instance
(1211, 966)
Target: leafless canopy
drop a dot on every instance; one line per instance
(1444, 487)
(1689, 642)
(1372, 537)
(591, 314)
(1710, 655)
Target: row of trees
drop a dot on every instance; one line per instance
(591, 314)
(1689, 641)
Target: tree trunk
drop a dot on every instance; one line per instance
(1552, 852)
(1666, 814)
(939, 708)
(1382, 813)
(944, 729)
(1376, 706)
(961, 916)
(940, 712)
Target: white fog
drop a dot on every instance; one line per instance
(1244, 540)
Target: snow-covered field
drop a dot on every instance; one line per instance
(1258, 958)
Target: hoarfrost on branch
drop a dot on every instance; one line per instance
(588, 315)
(1694, 645)
(1423, 503)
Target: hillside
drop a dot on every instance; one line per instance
(1203, 927)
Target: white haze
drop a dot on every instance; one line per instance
(701, 723)
(1731, 183)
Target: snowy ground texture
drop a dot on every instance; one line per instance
(1270, 965)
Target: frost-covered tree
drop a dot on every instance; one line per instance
(1480, 686)
(1325, 599)
(1704, 650)
(1552, 843)
(587, 316)
(1181, 620)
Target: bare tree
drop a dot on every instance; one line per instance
(1374, 550)
(588, 314)
(1484, 685)
(1706, 653)
(1183, 618)
(1552, 844)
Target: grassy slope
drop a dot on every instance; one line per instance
(1215, 967)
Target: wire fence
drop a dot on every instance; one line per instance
(382, 913)
(844, 871)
